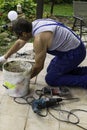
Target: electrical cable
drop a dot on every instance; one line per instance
(69, 114)
(24, 100)
(67, 121)
(67, 118)
(76, 110)
(29, 99)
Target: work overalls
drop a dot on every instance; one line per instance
(63, 69)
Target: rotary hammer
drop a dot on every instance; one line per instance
(42, 103)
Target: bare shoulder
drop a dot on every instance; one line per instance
(46, 36)
(44, 39)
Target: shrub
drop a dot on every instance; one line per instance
(28, 8)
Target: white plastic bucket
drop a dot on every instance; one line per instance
(17, 77)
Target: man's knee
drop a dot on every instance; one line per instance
(50, 80)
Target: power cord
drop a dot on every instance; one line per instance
(76, 110)
(24, 100)
(29, 100)
(67, 112)
(68, 116)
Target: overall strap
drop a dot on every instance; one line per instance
(46, 25)
(58, 24)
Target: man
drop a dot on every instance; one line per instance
(54, 38)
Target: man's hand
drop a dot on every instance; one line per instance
(2, 59)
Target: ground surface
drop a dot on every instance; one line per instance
(14, 116)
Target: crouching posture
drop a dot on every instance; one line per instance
(56, 39)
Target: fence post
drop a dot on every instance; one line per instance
(39, 9)
(52, 6)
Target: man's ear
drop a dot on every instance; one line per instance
(24, 34)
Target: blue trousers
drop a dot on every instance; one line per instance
(64, 69)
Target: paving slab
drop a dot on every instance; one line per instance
(15, 116)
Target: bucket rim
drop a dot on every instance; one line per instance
(30, 66)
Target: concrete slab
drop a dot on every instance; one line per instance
(15, 116)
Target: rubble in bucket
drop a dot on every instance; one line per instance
(17, 77)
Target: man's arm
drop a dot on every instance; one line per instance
(41, 43)
(40, 54)
(18, 45)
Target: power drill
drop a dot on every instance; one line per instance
(39, 104)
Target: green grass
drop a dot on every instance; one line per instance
(59, 9)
